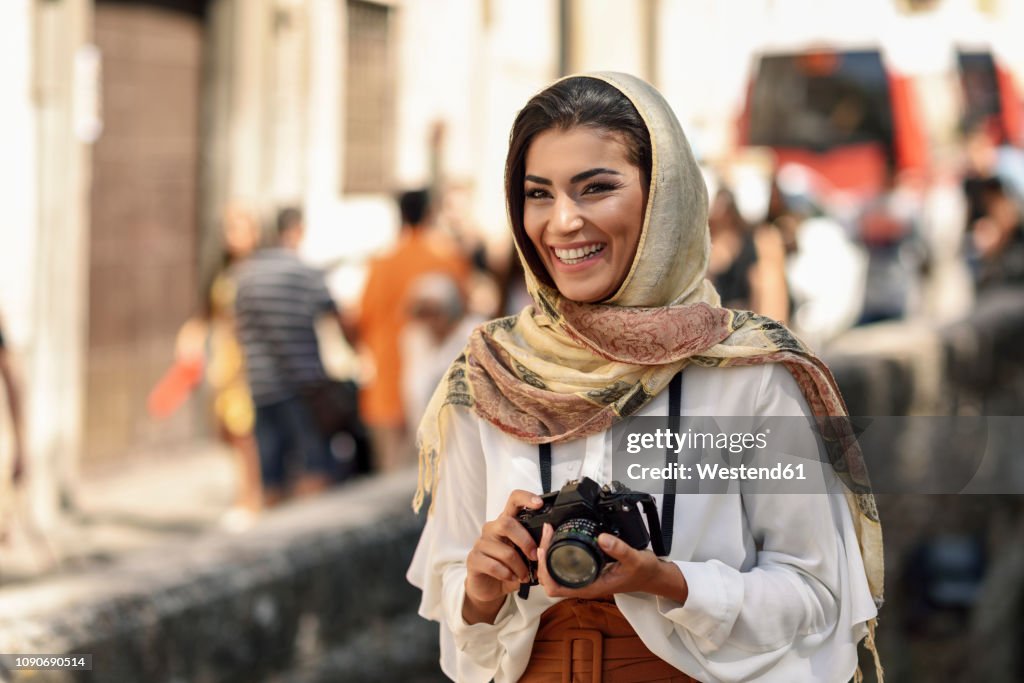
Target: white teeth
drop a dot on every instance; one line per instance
(573, 256)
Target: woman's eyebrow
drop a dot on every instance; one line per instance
(579, 177)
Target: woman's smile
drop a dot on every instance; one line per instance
(576, 255)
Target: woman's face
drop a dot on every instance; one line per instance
(241, 233)
(584, 209)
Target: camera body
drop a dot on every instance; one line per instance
(580, 512)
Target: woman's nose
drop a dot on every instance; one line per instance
(566, 218)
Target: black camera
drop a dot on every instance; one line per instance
(581, 512)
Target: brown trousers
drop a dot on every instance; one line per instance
(589, 641)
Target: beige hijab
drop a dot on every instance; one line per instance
(563, 370)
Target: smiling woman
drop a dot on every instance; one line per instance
(609, 214)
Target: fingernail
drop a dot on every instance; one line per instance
(606, 540)
(536, 500)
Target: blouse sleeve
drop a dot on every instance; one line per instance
(468, 652)
(791, 610)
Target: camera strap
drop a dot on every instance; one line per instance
(668, 502)
(545, 466)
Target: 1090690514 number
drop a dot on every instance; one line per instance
(46, 662)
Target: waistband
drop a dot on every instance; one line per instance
(582, 641)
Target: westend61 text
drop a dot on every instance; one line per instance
(714, 471)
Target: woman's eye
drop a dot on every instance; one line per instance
(597, 188)
(537, 193)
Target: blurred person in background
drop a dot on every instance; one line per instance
(996, 246)
(451, 212)
(890, 232)
(747, 264)
(15, 511)
(825, 271)
(993, 185)
(986, 159)
(513, 295)
(454, 219)
(278, 303)
(947, 288)
(208, 344)
(435, 334)
(980, 161)
(383, 314)
(14, 473)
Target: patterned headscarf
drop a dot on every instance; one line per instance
(562, 370)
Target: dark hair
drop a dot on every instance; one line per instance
(288, 218)
(572, 102)
(413, 206)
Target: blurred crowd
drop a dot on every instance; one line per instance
(781, 246)
(258, 345)
(922, 248)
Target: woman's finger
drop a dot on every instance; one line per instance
(550, 586)
(546, 534)
(508, 530)
(514, 532)
(542, 554)
(505, 554)
(617, 548)
(542, 570)
(489, 566)
(519, 499)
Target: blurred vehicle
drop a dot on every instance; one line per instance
(844, 114)
(866, 115)
(990, 95)
(859, 111)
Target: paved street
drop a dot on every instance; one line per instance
(137, 503)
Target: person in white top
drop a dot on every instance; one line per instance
(609, 212)
(438, 327)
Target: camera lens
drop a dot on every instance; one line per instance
(574, 559)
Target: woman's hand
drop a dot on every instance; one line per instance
(190, 344)
(636, 571)
(494, 567)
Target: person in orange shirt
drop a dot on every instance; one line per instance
(383, 314)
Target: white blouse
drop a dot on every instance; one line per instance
(777, 589)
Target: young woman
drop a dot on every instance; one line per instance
(211, 340)
(609, 212)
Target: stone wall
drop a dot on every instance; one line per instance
(316, 585)
(972, 367)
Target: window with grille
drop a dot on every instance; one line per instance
(369, 99)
